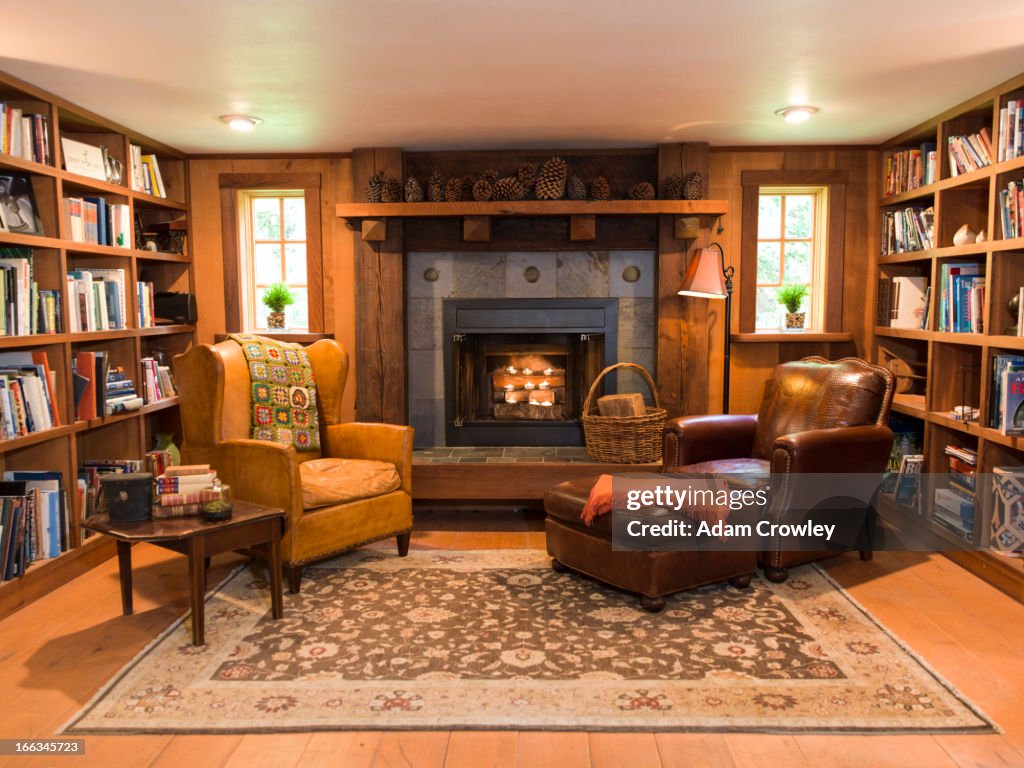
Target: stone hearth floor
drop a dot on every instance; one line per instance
(575, 454)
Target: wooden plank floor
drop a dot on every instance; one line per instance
(57, 652)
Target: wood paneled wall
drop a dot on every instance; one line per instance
(752, 363)
(336, 239)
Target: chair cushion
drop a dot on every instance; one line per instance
(327, 482)
(749, 467)
(818, 394)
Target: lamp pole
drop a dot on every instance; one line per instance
(728, 272)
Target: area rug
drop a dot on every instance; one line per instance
(496, 639)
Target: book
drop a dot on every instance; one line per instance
(1011, 404)
(908, 301)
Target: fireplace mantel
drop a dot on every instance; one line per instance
(387, 230)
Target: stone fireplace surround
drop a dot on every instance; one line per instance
(432, 277)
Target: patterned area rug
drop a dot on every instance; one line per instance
(496, 639)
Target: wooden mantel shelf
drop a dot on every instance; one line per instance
(476, 216)
(535, 208)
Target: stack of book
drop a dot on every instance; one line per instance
(1001, 364)
(184, 489)
(121, 395)
(93, 220)
(27, 394)
(908, 229)
(145, 173)
(24, 135)
(1011, 210)
(28, 309)
(954, 506)
(969, 153)
(157, 461)
(910, 169)
(961, 297)
(97, 297)
(1011, 130)
(157, 381)
(43, 527)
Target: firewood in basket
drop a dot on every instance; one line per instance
(631, 404)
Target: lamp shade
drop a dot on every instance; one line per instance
(705, 278)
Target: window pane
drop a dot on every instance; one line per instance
(799, 215)
(294, 218)
(296, 316)
(798, 263)
(769, 216)
(295, 262)
(768, 263)
(266, 215)
(267, 263)
(768, 310)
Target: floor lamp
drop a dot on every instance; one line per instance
(709, 278)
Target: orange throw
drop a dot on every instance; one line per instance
(603, 499)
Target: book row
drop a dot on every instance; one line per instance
(27, 308)
(1011, 130)
(27, 387)
(969, 153)
(145, 173)
(910, 168)
(961, 297)
(24, 134)
(34, 522)
(903, 301)
(908, 229)
(93, 220)
(1011, 210)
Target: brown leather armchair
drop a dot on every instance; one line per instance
(816, 416)
(350, 498)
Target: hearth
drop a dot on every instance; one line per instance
(517, 371)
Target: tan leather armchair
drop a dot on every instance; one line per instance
(214, 388)
(816, 416)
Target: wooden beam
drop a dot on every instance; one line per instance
(582, 227)
(476, 229)
(380, 296)
(374, 230)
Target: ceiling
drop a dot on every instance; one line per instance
(330, 75)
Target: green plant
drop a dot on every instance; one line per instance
(791, 297)
(277, 297)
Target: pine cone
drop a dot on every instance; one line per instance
(374, 187)
(453, 190)
(490, 175)
(526, 174)
(508, 188)
(642, 191)
(483, 190)
(600, 189)
(576, 189)
(435, 188)
(392, 191)
(413, 190)
(551, 182)
(693, 189)
(674, 187)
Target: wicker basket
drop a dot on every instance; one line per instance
(624, 439)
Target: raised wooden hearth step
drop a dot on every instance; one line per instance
(503, 474)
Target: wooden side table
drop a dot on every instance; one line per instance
(251, 525)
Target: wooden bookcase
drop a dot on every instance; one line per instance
(958, 365)
(128, 435)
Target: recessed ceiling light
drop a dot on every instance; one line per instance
(240, 122)
(796, 114)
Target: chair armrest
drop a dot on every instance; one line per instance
(862, 450)
(376, 442)
(693, 439)
(262, 472)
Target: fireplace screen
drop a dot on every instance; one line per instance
(516, 385)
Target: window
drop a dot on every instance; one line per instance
(273, 250)
(792, 233)
(790, 251)
(271, 232)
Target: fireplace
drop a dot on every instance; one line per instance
(517, 371)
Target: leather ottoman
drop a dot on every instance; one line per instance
(588, 550)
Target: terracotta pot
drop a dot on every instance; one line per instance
(275, 320)
(795, 321)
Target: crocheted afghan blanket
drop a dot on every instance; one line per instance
(283, 392)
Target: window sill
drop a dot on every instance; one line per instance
(296, 338)
(792, 337)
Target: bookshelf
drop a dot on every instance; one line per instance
(958, 365)
(54, 253)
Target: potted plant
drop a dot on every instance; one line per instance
(791, 297)
(276, 298)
